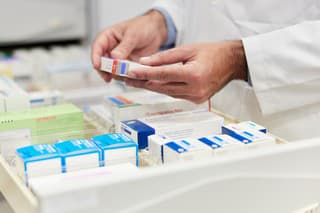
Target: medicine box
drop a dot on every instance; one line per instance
(116, 149)
(139, 104)
(12, 97)
(185, 150)
(44, 121)
(194, 124)
(253, 138)
(223, 144)
(118, 67)
(45, 98)
(253, 125)
(100, 115)
(79, 154)
(155, 146)
(38, 160)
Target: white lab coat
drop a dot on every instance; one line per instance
(282, 46)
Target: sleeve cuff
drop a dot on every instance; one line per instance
(171, 28)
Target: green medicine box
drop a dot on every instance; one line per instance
(45, 121)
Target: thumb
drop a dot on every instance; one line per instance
(172, 56)
(124, 49)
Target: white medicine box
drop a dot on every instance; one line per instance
(185, 150)
(249, 136)
(223, 144)
(195, 123)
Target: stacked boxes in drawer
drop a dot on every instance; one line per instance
(141, 104)
(236, 138)
(73, 155)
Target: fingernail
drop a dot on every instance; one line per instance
(145, 59)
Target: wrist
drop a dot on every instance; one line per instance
(239, 64)
(158, 19)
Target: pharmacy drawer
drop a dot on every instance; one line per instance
(279, 180)
(149, 187)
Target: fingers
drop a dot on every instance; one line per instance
(171, 88)
(188, 98)
(126, 46)
(104, 42)
(106, 76)
(135, 83)
(172, 56)
(160, 87)
(175, 90)
(170, 73)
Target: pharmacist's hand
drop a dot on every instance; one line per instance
(131, 39)
(204, 70)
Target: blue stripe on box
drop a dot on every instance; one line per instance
(210, 143)
(123, 68)
(238, 136)
(116, 101)
(176, 147)
(217, 138)
(40, 100)
(248, 133)
(185, 142)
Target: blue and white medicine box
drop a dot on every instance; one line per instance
(137, 131)
(185, 150)
(79, 154)
(253, 125)
(156, 143)
(116, 149)
(38, 160)
(45, 98)
(189, 124)
(222, 144)
(247, 135)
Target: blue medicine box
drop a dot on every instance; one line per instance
(137, 131)
(79, 154)
(117, 148)
(253, 125)
(38, 160)
(246, 135)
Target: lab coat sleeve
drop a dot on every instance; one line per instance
(177, 10)
(284, 66)
(171, 29)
